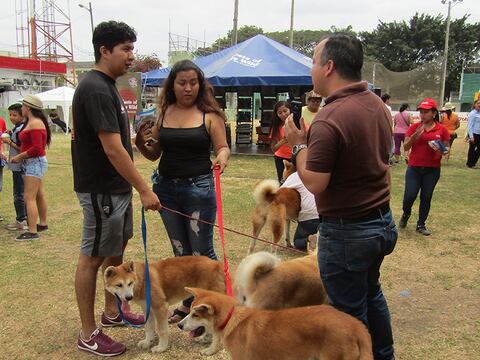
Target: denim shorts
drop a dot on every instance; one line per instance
(35, 167)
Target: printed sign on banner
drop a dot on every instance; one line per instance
(130, 89)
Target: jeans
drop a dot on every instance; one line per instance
(349, 257)
(420, 178)
(194, 197)
(304, 229)
(18, 199)
(279, 167)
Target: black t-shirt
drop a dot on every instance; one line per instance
(97, 106)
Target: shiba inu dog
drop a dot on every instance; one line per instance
(262, 281)
(304, 333)
(274, 205)
(168, 279)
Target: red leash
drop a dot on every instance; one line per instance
(218, 191)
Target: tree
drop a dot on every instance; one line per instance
(304, 41)
(402, 46)
(145, 63)
(245, 32)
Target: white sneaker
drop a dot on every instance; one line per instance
(17, 225)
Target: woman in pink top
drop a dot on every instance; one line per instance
(278, 141)
(35, 136)
(401, 121)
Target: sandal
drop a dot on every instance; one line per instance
(177, 316)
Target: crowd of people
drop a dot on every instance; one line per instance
(353, 216)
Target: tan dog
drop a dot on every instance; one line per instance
(306, 333)
(263, 282)
(168, 279)
(274, 205)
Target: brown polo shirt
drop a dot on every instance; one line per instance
(351, 139)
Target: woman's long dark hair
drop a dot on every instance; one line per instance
(205, 99)
(403, 107)
(276, 121)
(39, 114)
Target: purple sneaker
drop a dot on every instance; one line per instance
(100, 344)
(132, 318)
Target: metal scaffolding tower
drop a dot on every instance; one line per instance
(44, 31)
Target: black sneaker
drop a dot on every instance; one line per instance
(27, 236)
(423, 230)
(403, 221)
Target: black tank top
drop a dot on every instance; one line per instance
(186, 151)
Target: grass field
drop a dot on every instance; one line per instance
(432, 283)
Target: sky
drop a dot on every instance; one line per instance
(207, 20)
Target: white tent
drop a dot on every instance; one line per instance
(59, 97)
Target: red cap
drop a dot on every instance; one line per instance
(428, 104)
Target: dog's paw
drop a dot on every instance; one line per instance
(209, 351)
(159, 348)
(145, 344)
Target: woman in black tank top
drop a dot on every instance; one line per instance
(189, 122)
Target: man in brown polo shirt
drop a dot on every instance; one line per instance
(346, 167)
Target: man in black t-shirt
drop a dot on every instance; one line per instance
(104, 173)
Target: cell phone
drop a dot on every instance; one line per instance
(296, 109)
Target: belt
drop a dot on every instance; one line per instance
(372, 215)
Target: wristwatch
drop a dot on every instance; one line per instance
(296, 149)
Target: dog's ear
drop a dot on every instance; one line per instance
(192, 291)
(204, 308)
(129, 266)
(110, 272)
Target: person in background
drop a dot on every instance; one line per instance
(103, 177)
(3, 157)
(34, 137)
(57, 121)
(424, 162)
(473, 134)
(310, 110)
(305, 235)
(189, 123)
(401, 122)
(386, 100)
(450, 120)
(278, 142)
(17, 119)
(346, 168)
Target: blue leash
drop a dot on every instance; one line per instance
(147, 278)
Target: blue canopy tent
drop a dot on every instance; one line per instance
(258, 61)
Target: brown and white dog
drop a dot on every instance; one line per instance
(305, 333)
(262, 281)
(274, 205)
(168, 279)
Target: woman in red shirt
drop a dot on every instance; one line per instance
(424, 162)
(35, 136)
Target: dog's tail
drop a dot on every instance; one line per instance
(251, 268)
(265, 191)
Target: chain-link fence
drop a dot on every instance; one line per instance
(407, 86)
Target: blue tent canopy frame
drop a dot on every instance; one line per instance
(258, 61)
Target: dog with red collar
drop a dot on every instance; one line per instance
(312, 332)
